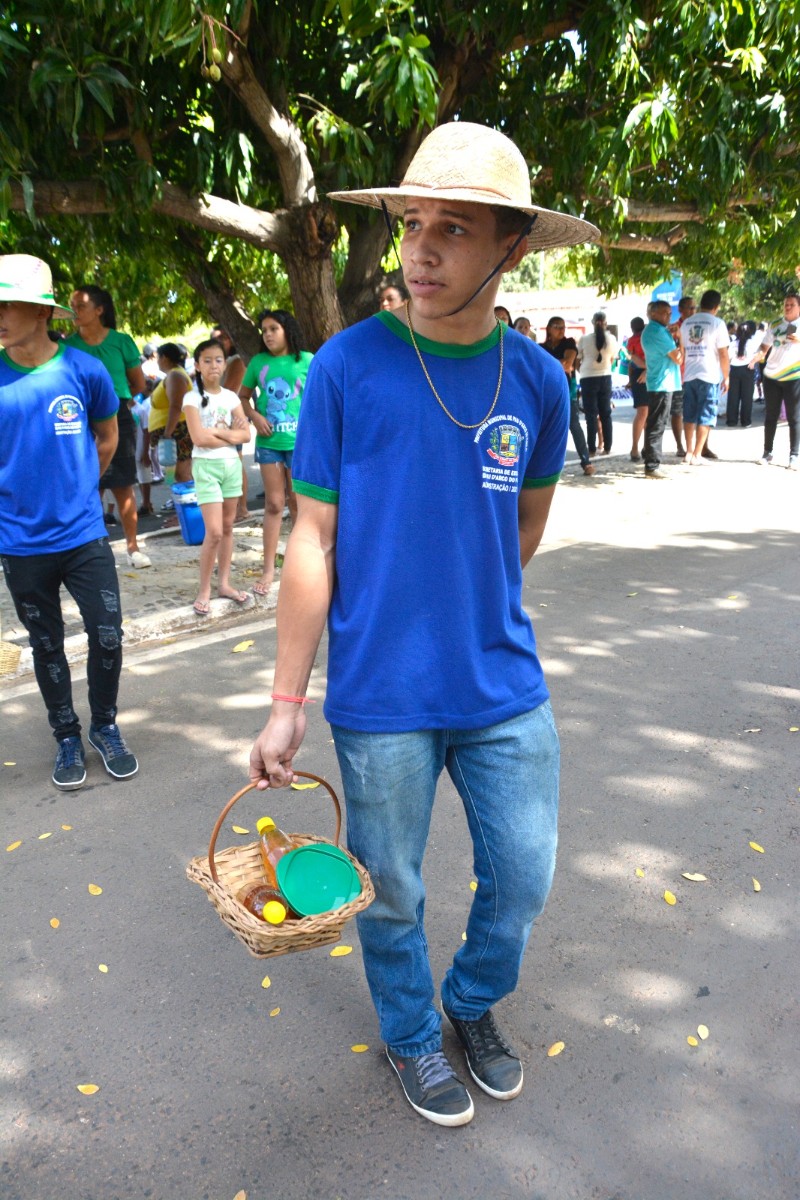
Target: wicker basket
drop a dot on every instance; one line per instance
(224, 874)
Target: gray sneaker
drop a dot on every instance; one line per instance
(110, 745)
(432, 1088)
(765, 460)
(794, 462)
(492, 1063)
(69, 773)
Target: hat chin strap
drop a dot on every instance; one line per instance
(525, 232)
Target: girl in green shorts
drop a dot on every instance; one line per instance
(217, 425)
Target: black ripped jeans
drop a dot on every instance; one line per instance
(90, 576)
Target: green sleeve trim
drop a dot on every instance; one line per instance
(541, 483)
(100, 420)
(316, 493)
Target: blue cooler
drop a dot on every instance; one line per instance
(189, 515)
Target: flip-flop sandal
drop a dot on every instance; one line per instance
(236, 597)
(260, 590)
(202, 608)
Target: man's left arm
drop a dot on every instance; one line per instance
(533, 509)
(106, 436)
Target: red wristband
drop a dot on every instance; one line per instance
(301, 700)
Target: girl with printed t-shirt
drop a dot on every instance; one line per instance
(217, 426)
(278, 378)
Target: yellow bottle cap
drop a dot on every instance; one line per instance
(264, 823)
(274, 912)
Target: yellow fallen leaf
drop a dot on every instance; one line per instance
(241, 1195)
(131, 575)
(54, 922)
(304, 787)
(463, 937)
(266, 982)
(94, 890)
(752, 731)
(240, 646)
(792, 729)
(273, 1012)
(239, 829)
(88, 1089)
(670, 899)
(695, 878)
(632, 594)
(473, 887)
(9, 764)
(102, 968)
(14, 845)
(734, 596)
(555, 1049)
(639, 873)
(755, 846)
(42, 836)
(756, 885)
(702, 1032)
(692, 1041)
(66, 827)
(340, 951)
(359, 1048)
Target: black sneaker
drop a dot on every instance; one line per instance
(110, 745)
(432, 1088)
(492, 1063)
(109, 518)
(69, 773)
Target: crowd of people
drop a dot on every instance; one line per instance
(432, 657)
(679, 371)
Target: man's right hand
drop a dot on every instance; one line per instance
(275, 747)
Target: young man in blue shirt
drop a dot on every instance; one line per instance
(58, 409)
(430, 442)
(663, 378)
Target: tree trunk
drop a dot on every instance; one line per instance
(308, 235)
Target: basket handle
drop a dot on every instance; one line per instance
(301, 775)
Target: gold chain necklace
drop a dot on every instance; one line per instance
(455, 421)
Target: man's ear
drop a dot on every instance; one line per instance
(517, 257)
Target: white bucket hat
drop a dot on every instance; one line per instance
(29, 280)
(476, 165)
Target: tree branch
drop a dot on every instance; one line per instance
(269, 231)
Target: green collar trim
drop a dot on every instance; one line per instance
(442, 349)
(6, 358)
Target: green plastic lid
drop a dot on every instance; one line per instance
(264, 823)
(317, 878)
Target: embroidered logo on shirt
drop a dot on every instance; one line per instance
(67, 412)
(504, 438)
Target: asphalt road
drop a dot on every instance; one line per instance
(671, 648)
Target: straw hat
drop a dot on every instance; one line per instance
(29, 280)
(473, 164)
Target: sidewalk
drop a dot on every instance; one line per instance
(157, 602)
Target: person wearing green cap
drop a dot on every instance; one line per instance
(429, 446)
(59, 416)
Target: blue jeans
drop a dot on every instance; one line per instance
(507, 777)
(89, 574)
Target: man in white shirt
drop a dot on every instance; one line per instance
(781, 347)
(704, 340)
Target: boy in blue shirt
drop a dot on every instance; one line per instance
(662, 358)
(58, 409)
(429, 446)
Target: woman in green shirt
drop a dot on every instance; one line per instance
(277, 378)
(96, 333)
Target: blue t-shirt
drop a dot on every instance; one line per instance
(426, 626)
(663, 373)
(49, 470)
